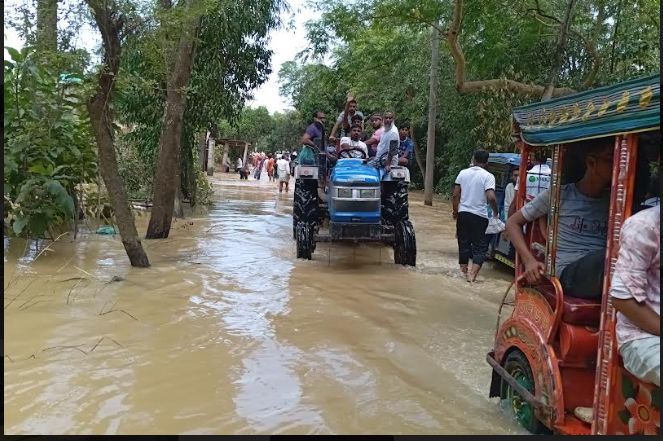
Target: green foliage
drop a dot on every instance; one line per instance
(265, 132)
(48, 147)
(231, 60)
(380, 51)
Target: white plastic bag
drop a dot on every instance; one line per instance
(495, 225)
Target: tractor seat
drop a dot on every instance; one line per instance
(577, 311)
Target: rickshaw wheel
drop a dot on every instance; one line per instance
(518, 367)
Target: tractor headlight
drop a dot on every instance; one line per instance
(367, 193)
(344, 193)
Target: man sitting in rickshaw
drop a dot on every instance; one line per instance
(636, 295)
(582, 227)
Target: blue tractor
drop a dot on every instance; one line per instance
(345, 199)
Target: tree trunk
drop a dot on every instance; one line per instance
(559, 51)
(417, 157)
(105, 14)
(47, 25)
(432, 116)
(171, 132)
(614, 37)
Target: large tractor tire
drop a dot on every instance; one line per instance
(305, 204)
(304, 238)
(394, 202)
(405, 244)
(518, 367)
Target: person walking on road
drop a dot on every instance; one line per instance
(283, 170)
(474, 189)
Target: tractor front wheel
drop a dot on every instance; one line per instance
(304, 238)
(405, 244)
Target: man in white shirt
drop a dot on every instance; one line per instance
(283, 170)
(538, 177)
(510, 192)
(384, 158)
(353, 145)
(344, 120)
(474, 189)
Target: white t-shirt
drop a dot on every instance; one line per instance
(509, 194)
(474, 182)
(283, 167)
(383, 145)
(355, 144)
(538, 179)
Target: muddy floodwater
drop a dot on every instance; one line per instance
(228, 333)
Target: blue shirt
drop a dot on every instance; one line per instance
(406, 148)
(314, 131)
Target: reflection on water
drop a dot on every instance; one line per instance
(228, 333)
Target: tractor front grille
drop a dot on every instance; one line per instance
(359, 206)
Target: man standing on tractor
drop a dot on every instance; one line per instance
(344, 120)
(384, 159)
(583, 225)
(474, 188)
(406, 146)
(372, 142)
(315, 129)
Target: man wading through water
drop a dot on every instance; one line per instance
(473, 189)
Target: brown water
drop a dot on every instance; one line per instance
(228, 332)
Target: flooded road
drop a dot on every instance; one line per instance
(228, 332)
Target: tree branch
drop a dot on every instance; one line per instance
(476, 86)
(589, 44)
(559, 50)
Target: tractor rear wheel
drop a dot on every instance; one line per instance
(405, 244)
(394, 202)
(305, 203)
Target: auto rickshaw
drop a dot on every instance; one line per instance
(555, 353)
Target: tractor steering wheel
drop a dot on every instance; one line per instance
(348, 153)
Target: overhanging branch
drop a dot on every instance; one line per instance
(463, 86)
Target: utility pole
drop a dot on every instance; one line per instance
(432, 115)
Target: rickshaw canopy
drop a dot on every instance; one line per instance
(631, 106)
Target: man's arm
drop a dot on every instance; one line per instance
(306, 140)
(332, 134)
(514, 227)
(455, 200)
(491, 198)
(640, 314)
(370, 142)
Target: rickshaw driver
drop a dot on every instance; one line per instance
(582, 230)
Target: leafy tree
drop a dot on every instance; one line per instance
(495, 54)
(47, 145)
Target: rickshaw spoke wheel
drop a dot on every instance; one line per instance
(517, 366)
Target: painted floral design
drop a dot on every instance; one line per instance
(642, 412)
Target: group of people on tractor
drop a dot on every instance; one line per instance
(354, 142)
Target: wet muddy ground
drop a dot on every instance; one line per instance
(228, 332)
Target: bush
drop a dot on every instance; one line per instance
(48, 146)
